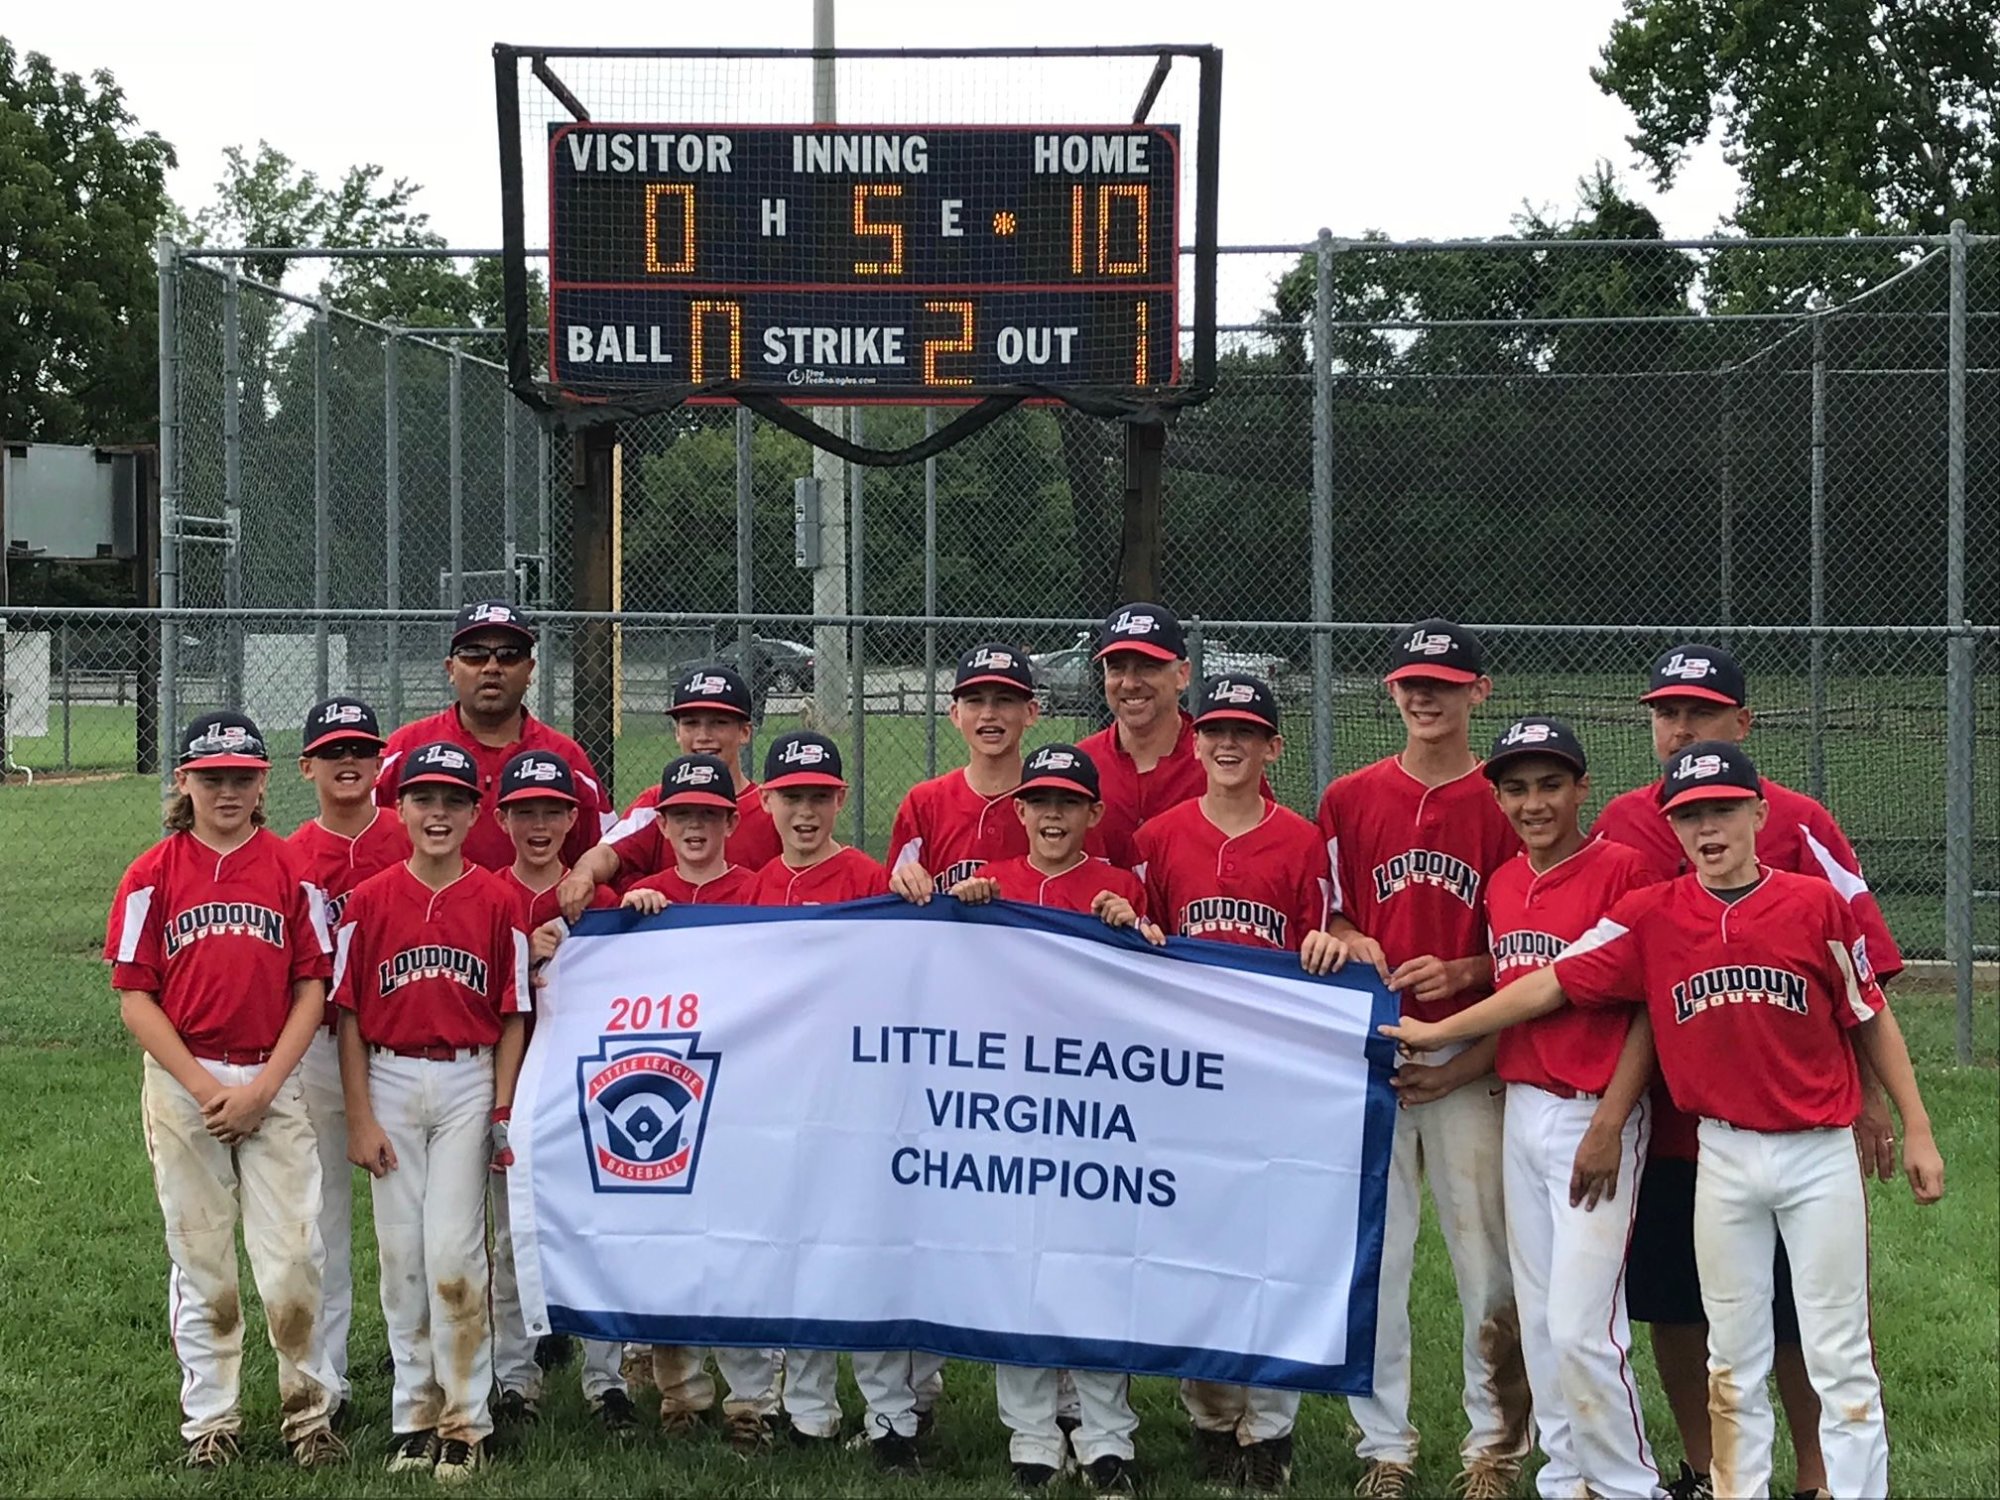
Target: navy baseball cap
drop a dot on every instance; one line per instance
(1536, 735)
(1697, 671)
(994, 664)
(1060, 768)
(1149, 629)
(440, 763)
(1237, 698)
(711, 688)
(802, 759)
(222, 741)
(333, 720)
(1438, 649)
(697, 781)
(1709, 771)
(536, 773)
(491, 614)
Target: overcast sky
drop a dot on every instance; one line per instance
(1428, 118)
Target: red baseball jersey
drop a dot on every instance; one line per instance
(1530, 920)
(218, 939)
(488, 844)
(1264, 889)
(1410, 865)
(1131, 796)
(643, 849)
(1750, 1000)
(847, 875)
(1073, 890)
(951, 830)
(532, 908)
(423, 968)
(735, 886)
(337, 864)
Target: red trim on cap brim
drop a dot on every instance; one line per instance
(696, 797)
(1144, 648)
(1456, 675)
(1234, 716)
(1708, 794)
(1707, 695)
(529, 793)
(1526, 752)
(709, 706)
(993, 679)
(1055, 783)
(227, 762)
(501, 625)
(340, 736)
(435, 778)
(801, 778)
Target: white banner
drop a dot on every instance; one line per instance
(1003, 1133)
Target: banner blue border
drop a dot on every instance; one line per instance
(1354, 1377)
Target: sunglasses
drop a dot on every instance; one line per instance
(478, 656)
(349, 750)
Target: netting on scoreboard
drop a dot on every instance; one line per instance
(987, 228)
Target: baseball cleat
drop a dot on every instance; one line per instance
(636, 1368)
(412, 1450)
(554, 1350)
(896, 1454)
(926, 1420)
(749, 1433)
(316, 1447)
(1691, 1485)
(1110, 1475)
(615, 1413)
(213, 1450)
(515, 1409)
(457, 1461)
(1218, 1457)
(681, 1421)
(1385, 1479)
(1267, 1465)
(800, 1438)
(1030, 1477)
(1486, 1479)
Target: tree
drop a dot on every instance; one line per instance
(1874, 116)
(82, 194)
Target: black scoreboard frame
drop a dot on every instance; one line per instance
(1193, 375)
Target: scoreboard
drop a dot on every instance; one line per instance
(850, 263)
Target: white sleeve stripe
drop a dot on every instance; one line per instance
(523, 993)
(1603, 934)
(132, 923)
(631, 823)
(909, 854)
(341, 941)
(1848, 882)
(1325, 899)
(1850, 980)
(1335, 900)
(316, 909)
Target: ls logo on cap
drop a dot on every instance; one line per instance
(1687, 668)
(697, 775)
(802, 753)
(1436, 643)
(1528, 734)
(342, 713)
(705, 684)
(1234, 692)
(446, 756)
(221, 737)
(492, 614)
(538, 770)
(1699, 767)
(988, 657)
(1128, 623)
(1053, 760)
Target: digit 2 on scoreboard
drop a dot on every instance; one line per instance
(934, 263)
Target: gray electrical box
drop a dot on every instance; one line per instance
(805, 523)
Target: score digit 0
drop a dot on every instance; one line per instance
(1109, 193)
(655, 191)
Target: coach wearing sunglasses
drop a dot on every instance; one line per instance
(491, 662)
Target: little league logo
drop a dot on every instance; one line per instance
(644, 1105)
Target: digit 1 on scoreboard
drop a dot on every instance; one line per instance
(960, 345)
(698, 342)
(1143, 317)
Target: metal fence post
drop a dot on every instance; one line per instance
(322, 499)
(856, 533)
(62, 644)
(392, 517)
(1322, 510)
(1960, 718)
(545, 678)
(930, 599)
(166, 258)
(232, 480)
(746, 563)
(456, 461)
(1725, 565)
(510, 541)
(1816, 777)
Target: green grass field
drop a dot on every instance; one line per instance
(88, 1384)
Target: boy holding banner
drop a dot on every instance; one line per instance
(1056, 805)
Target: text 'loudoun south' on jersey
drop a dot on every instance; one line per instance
(1749, 999)
(218, 938)
(425, 968)
(1532, 920)
(1410, 865)
(1264, 889)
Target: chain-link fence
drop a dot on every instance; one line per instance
(1590, 448)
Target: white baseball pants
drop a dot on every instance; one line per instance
(1030, 1403)
(1749, 1187)
(1252, 1412)
(1455, 1142)
(430, 1226)
(326, 1106)
(887, 1378)
(1569, 1284)
(273, 1179)
(749, 1378)
(514, 1366)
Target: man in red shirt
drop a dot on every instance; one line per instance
(1413, 840)
(1699, 692)
(1145, 758)
(1761, 996)
(491, 662)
